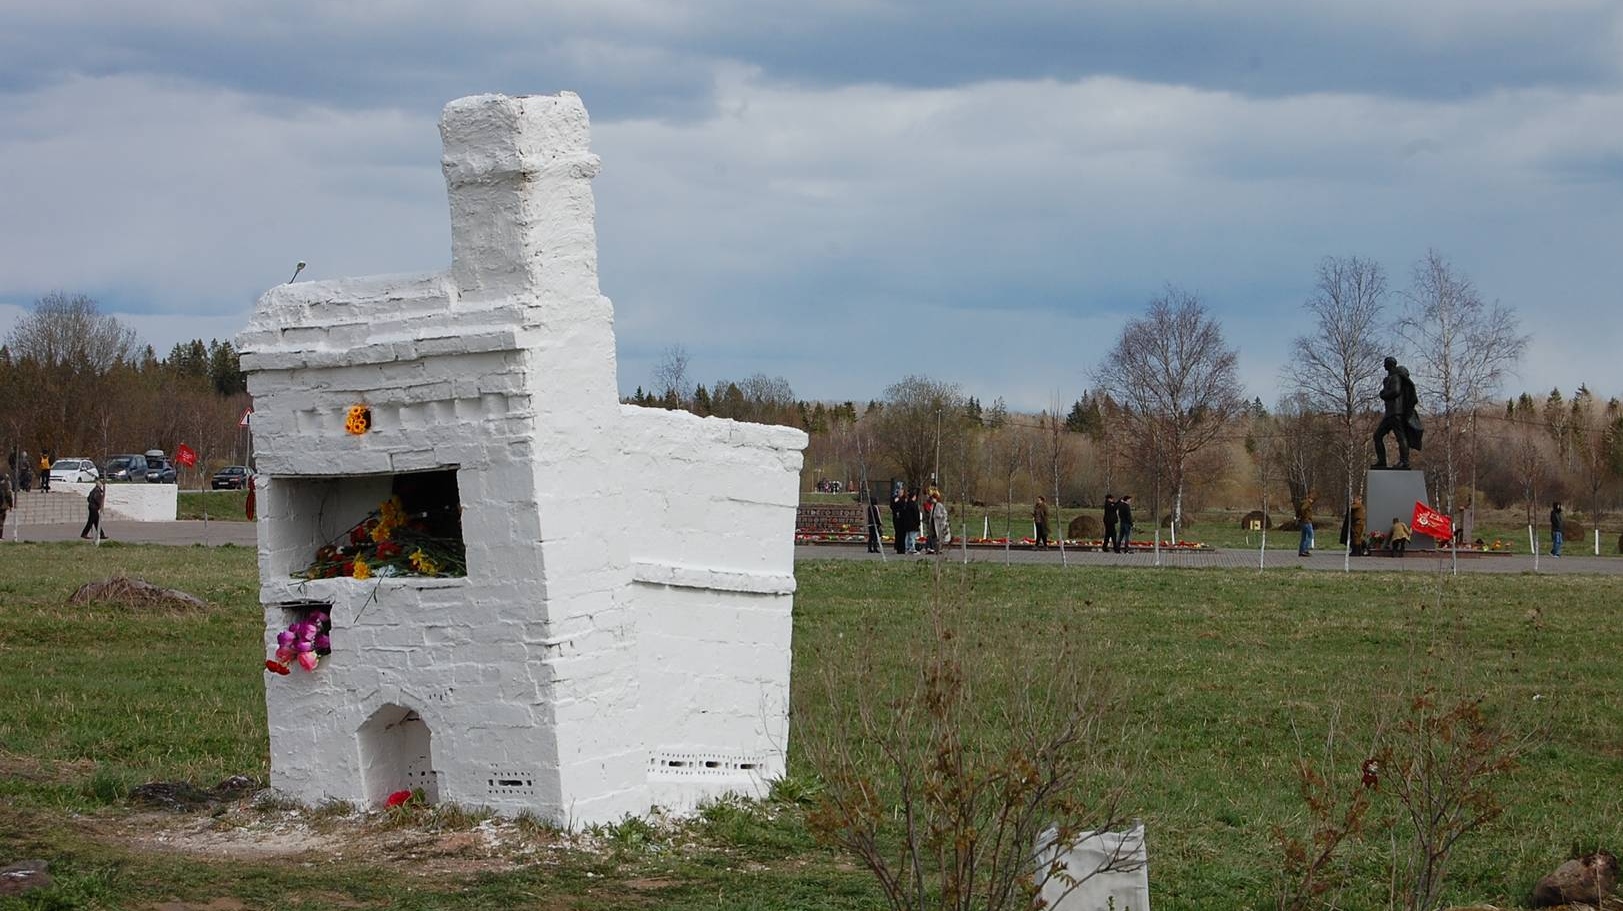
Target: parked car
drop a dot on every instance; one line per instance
(160, 471)
(74, 471)
(130, 467)
(231, 477)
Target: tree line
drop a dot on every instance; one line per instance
(1166, 416)
(80, 383)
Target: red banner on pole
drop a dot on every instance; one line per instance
(185, 456)
(1428, 521)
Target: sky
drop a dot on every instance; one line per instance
(847, 192)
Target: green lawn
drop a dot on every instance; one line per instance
(1228, 677)
(224, 505)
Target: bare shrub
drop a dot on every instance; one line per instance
(941, 772)
(1445, 765)
(1336, 796)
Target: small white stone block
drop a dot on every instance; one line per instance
(1102, 871)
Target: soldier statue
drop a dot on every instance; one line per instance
(1402, 415)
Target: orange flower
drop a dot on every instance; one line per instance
(362, 571)
(358, 419)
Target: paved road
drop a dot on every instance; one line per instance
(242, 535)
(185, 532)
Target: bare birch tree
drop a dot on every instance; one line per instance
(1337, 367)
(1461, 350)
(671, 376)
(1174, 378)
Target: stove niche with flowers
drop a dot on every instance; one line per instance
(485, 580)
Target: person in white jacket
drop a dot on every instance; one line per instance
(940, 525)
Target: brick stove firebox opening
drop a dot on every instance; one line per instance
(397, 754)
(331, 510)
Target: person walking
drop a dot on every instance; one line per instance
(1039, 518)
(1556, 530)
(898, 504)
(1304, 517)
(1360, 540)
(928, 527)
(45, 472)
(96, 499)
(910, 517)
(6, 502)
(1110, 522)
(1400, 537)
(874, 528)
(940, 524)
(1124, 524)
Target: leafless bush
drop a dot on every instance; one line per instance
(941, 775)
(1445, 766)
(1336, 795)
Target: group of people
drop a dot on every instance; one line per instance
(909, 517)
(25, 473)
(1118, 523)
(94, 501)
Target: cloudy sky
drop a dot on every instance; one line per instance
(847, 191)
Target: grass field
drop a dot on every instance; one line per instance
(1228, 678)
(225, 505)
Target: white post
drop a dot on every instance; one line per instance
(1158, 544)
(1597, 542)
(1262, 551)
(1532, 545)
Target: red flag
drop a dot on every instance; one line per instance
(185, 456)
(1428, 521)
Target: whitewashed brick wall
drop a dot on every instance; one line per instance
(622, 636)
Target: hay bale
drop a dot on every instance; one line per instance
(1086, 527)
(135, 593)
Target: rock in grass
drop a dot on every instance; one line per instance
(171, 795)
(128, 592)
(1589, 879)
(23, 877)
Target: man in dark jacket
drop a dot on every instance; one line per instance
(1039, 519)
(1557, 530)
(874, 528)
(898, 505)
(96, 499)
(6, 501)
(1110, 521)
(911, 521)
(1124, 524)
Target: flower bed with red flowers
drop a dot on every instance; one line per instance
(1096, 544)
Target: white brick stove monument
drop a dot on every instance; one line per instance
(621, 637)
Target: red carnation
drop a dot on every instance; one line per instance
(277, 667)
(397, 798)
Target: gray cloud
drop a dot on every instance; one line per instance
(841, 225)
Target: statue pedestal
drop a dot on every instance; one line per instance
(1390, 493)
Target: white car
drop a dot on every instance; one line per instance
(74, 471)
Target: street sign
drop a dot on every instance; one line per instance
(247, 417)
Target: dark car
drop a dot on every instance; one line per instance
(231, 477)
(160, 471)
(126, 468)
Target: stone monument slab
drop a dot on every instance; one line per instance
(1394, 493)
